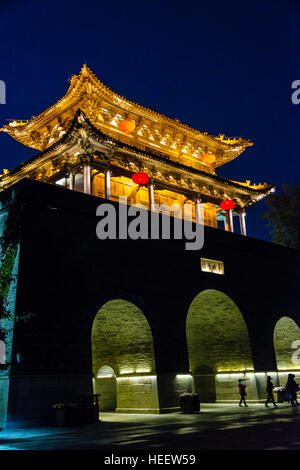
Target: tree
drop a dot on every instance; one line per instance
(283, 216)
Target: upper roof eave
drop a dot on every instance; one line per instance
(95, 132)
(18, 130)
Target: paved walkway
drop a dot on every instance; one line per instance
(216, 427)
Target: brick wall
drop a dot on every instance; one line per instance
(66, 274)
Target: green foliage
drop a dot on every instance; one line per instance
(9, 242)
(6, 270)
(283, 216)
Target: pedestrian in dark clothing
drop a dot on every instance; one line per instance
(242, 392)
(292, 388)
(269, 390)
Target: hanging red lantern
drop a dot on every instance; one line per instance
(127, 126)
(140, 178)
(208, 158)
(227, 204)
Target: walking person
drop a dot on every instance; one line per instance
(292, 387)
(269, 390)
(242, 392)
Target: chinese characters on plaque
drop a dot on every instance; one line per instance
(212, 266)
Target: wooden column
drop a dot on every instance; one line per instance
(242, 216)
(151, 196)
(71, 179)
(107, 184)
(225, 222)
(229, 221)
(87, 178)
(198, 212)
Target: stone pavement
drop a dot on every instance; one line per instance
(216, 427)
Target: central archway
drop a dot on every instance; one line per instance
(218, 347)
(122, 344)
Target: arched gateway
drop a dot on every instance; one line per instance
(218, 347)
(123, 359)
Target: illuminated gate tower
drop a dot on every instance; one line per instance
(93, 140)
(141, 328)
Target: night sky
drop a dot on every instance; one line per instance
(221, 67)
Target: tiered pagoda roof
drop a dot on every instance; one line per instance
(91, 112)
(105, 109)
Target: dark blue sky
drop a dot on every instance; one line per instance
(221, 67)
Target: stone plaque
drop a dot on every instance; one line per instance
(212, 266)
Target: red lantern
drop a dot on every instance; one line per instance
(208, 158)
(140, 178)
(127, 126)
(227, 204)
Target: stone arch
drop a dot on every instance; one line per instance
(105, 385)
(218, 347)
(287, 348)
(122, 340)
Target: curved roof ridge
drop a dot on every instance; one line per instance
(156, 155)
(76, 90)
